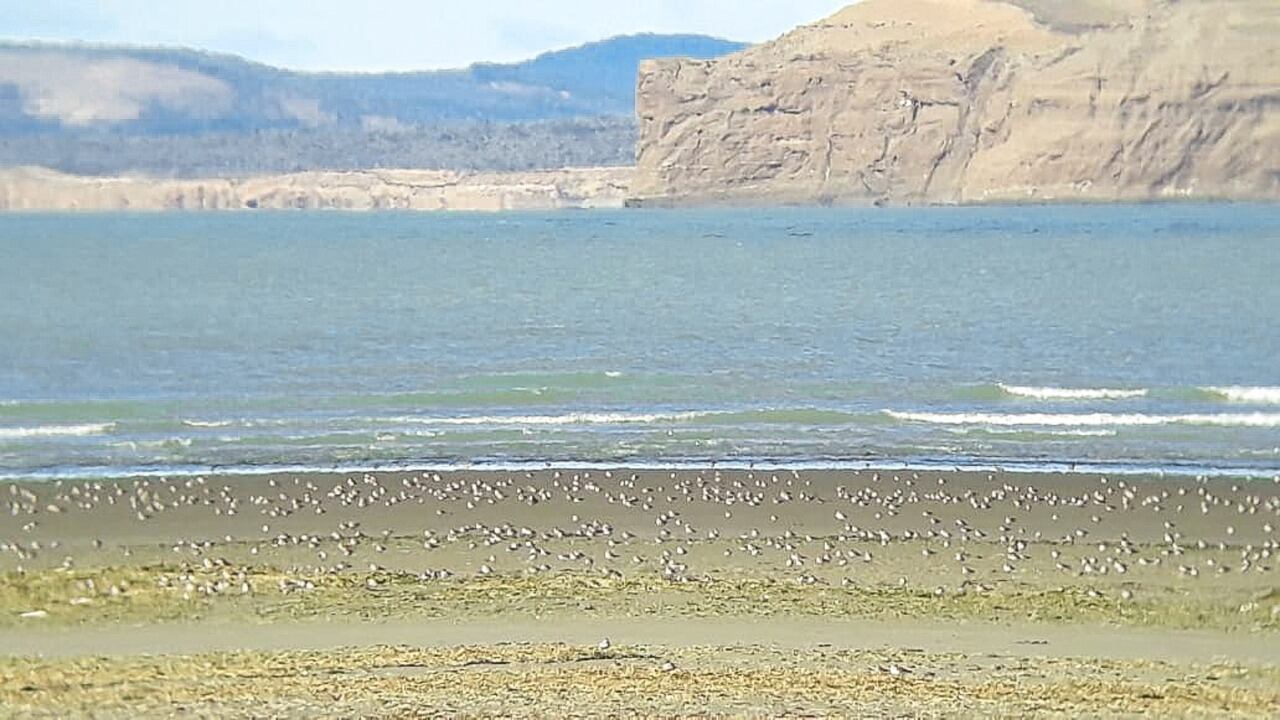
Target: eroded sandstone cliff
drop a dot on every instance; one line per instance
(970, 101)
(39, 189)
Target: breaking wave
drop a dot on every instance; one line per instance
(1245, 394)
(1089, 419)
(577, 418)
(1058, 393)
(18, 433)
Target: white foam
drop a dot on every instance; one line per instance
(1245, 394)
(18, 433)
(160, 444)
(1067, 432)
(415, 433)
(1058, 393)
(577, 418)
(1089, 419)
(613, 374)
(1085, 433)
(207, 423)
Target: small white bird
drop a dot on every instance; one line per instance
(895, 670)
(604, 644)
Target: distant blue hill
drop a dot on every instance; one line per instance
(162, 91)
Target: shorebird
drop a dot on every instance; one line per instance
(895, 670)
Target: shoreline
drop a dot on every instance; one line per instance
(1014, 467)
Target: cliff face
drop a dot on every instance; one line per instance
(970, 101)
(44, 190)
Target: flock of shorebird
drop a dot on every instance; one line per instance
(814, 527)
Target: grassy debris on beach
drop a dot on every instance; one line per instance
(570, 681)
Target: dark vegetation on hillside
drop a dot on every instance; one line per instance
(571, 107)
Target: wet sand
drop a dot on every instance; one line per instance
(904, 592)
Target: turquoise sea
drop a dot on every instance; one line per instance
(1126, 338)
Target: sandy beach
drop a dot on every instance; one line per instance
(772, 593)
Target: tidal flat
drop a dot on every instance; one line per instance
(654, 593)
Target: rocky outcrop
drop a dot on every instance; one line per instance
(44, 190)
(972, 101)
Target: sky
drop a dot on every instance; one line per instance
(378, 35)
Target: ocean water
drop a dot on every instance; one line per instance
(1121, 338)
